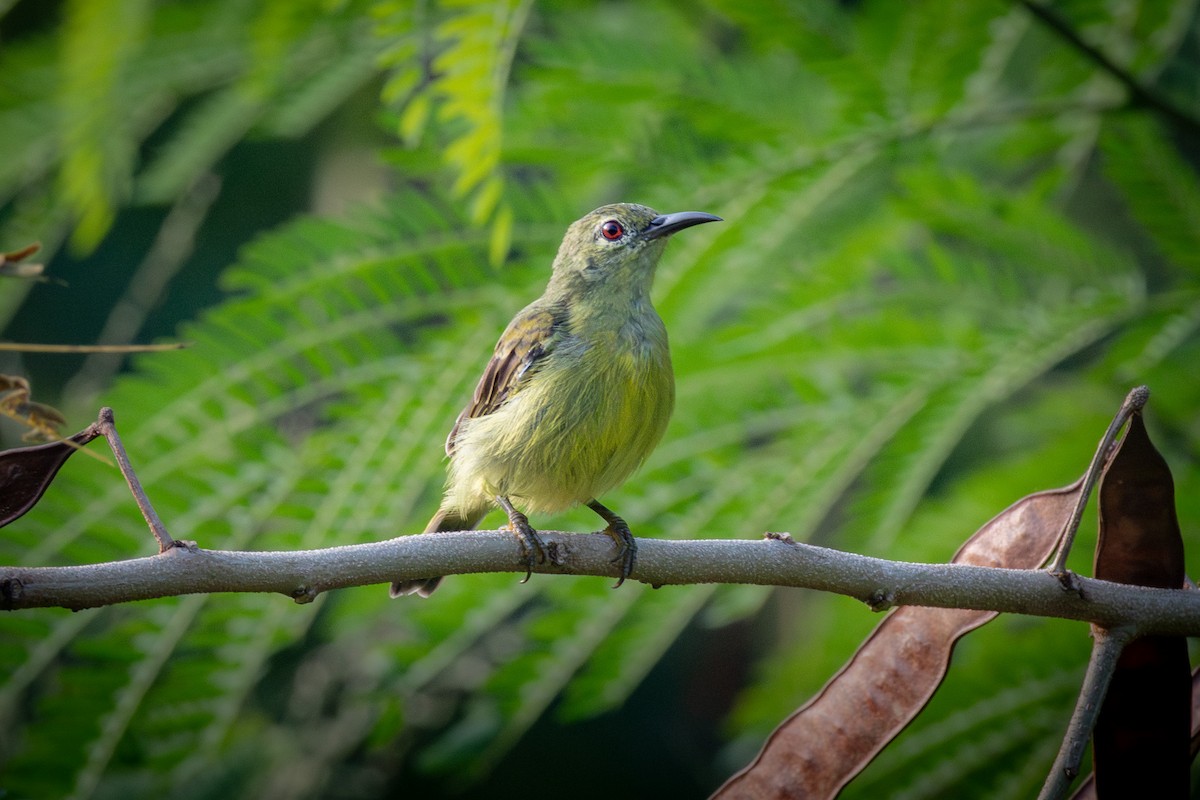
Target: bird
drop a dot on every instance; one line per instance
(578, 391)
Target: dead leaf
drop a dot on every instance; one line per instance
(11, 263)
(1142, 736)
(892, 676)
(26, 472)
(1087, 789)
(42, 420)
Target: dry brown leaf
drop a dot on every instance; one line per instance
(1087, 789)
(892, 676)
(13, 264)
(42, 420)
(1142, 737)
(26, 472)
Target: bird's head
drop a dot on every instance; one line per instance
(618, 246)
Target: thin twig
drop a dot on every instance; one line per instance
(30, 347)
(109, 429)
(1106, 649)
(1135, 401)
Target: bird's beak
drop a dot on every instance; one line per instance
(666, 224)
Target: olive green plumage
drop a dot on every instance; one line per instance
(578, 391)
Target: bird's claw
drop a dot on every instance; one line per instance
(532, 549)
(626, 549)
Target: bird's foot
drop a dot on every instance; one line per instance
(532, 549)
(626, 548)
(619, 532)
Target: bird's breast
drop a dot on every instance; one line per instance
(581, 422)
(598, 406)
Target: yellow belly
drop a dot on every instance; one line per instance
(581, 424)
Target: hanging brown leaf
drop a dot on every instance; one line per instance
(1087, 789)
(823, 745)
(1142, 736)
(11, 263)
(1195, 745)
(42, 420)
(26, 472)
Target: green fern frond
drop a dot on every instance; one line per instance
(218, 122)
(1154, 342)
(299, 73)
(132, 64)
(28, 114)
(895, 278)
(255, 362)
(463, 73)
(96, 171)
(619, 664)
(521, 690)
(1162, 190)
(328, 83)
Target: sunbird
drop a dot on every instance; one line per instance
(578, 391)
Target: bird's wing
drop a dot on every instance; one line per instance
(526, 340)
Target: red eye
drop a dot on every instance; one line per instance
(612, 230)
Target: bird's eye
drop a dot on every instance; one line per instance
(612, 230)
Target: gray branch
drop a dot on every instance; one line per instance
(1101, 667)
(304, 574)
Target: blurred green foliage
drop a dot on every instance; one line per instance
(953, 242)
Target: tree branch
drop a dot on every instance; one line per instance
(1105, 653)
(1134, 402)
(304, 574)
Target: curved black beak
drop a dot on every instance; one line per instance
(666, 224)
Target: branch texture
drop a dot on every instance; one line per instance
(303, 574)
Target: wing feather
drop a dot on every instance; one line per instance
(527, 339)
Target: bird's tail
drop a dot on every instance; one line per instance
(444, 520)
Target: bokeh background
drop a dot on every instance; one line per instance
(956, 234)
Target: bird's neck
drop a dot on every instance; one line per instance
(614, 284)
(610, 300)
